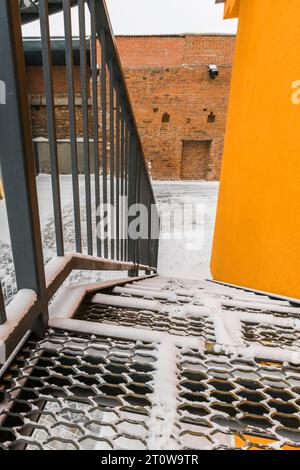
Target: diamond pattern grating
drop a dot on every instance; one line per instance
(77, 392)
(158, 321)
(271, 335)
(84, 392)
(227, 403)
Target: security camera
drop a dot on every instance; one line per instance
(213, 71)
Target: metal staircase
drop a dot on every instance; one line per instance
(155, 364)
(144, 362)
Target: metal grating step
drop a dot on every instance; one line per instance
(205, 314)
(271, 335)
(236, 403)
(158, 321)
(79, 391)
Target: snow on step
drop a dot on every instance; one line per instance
(187, 292)
(266, 307)
(157, 282)
(260, 352)
(129, 333)
(148, 286)
(205, 300)
(127, 302)
(163, 416)
(146, 293)
(143, 287)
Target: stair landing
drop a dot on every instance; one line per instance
(159, 364)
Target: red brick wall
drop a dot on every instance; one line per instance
(172, 95)
(151, 51)
(35, 80)
(169, 75)
(195, 159)
(35, 84)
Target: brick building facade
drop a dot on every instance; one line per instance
(180, 110)
(37, 101)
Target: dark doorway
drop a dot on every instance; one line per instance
(195, 158)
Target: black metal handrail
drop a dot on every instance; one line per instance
(120, 175)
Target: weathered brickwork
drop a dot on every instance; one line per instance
(37, 100)
(195, 159)
(175, 100)
(180, 110)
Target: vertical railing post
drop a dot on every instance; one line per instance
(138, 200)
(122, 182)
(17, 159)
(73, 126)
(85, 123)
(132, 187)
(112, 154)
(149, 229)
(94, 63)
(155, 234)
(126, 166)
(117, 211)
(104, 134)
(51, 122)
(127, 162)
(3, 317)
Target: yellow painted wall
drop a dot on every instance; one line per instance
(231, 9)
(257, 235)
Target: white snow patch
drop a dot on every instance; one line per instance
(228, 329)
(170, 297)
(154, 283)
(67, 301)
(138, 285)
(127, 302)
(267, 307)
(187, 292)
(124, 332)
(15, 312)
(162, 429)
(175, 259)
(260, 352)
(55, 266)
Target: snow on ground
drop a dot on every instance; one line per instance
(175, 258)
(7, 275)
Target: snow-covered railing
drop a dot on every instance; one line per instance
(119, 181)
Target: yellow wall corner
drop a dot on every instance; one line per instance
(231, 9)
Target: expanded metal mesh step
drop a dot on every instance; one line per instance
(271, 335)
(198, 371)
(156, 321)
(258, 310)
(75, 391)
(237, 403)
